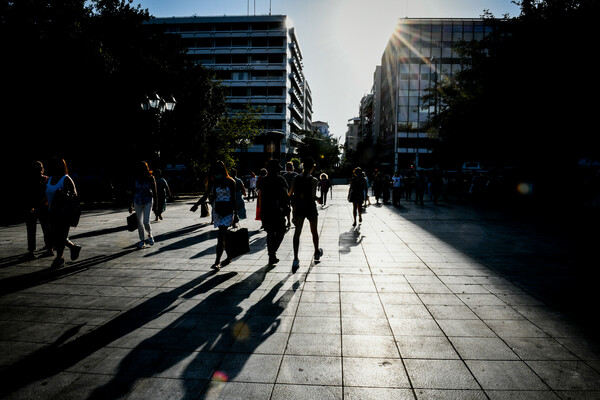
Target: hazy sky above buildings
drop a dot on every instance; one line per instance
(342, 41)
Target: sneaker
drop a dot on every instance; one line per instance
(75, 252)
(296, 263)
(318, 254)
(150, 241)
(273, 260)
(57, 263)
(141, 244)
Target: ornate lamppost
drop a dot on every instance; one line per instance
(158, 105)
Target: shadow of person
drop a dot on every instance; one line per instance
(259, 323)
(59, 356)
(205, 334)
(350, 239)
(19, 282)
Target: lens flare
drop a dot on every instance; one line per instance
(220, 376)
(241, 331)
(524, 188)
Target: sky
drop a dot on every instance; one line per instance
(342, 41)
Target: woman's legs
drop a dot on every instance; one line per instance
(142, 212)
(357, 208)
(315, 233)
(299, 222)
(220, 244)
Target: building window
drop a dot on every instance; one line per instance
(239, 59)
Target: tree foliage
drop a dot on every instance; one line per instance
(325, 150)
(79, 70)
(236, 131)
(524, 100)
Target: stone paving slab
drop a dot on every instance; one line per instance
(440, 301)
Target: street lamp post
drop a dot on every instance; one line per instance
(159, 106)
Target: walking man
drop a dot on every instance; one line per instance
(304, 194)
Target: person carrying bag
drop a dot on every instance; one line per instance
(222, 190)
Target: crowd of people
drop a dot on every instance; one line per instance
(288, 197)
(283, 198)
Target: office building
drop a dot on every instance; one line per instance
(420, 52)
(259, 61)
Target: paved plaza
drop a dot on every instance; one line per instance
(448, 301)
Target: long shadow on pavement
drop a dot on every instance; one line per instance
(212, 328)
(58, 357)
(20, 282)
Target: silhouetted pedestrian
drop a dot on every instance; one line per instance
(240, 192)
(289, 176)
(378, 186)
(385, 188)
(304, 193)
(275, 206)
(356, 193)
(263, 173)
(221, 190)
(367, 201)
(420, 185)
(60, 193)
(252, 186)
(324, 186)
(396, 188)
(144, 202)
(37, 209)
(163, 192)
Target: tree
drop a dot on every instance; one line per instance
(236, 131)
(522, 103)
(325, 150)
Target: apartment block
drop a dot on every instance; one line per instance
(259, 61)
(419, 52)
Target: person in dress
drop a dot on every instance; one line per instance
(221, 190)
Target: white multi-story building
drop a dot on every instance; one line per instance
(259, 61)
(353, 134)
(322, 127)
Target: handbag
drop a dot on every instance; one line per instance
(68, 207)
(132, 222)
(204, 210)
(237, 242)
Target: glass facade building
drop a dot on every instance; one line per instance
(420, 52)
(259, 61)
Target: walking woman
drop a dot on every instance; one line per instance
(356, 194)
(221, 189)
(252, 186)
(304, 193)
(144, 201)
(60, 190)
